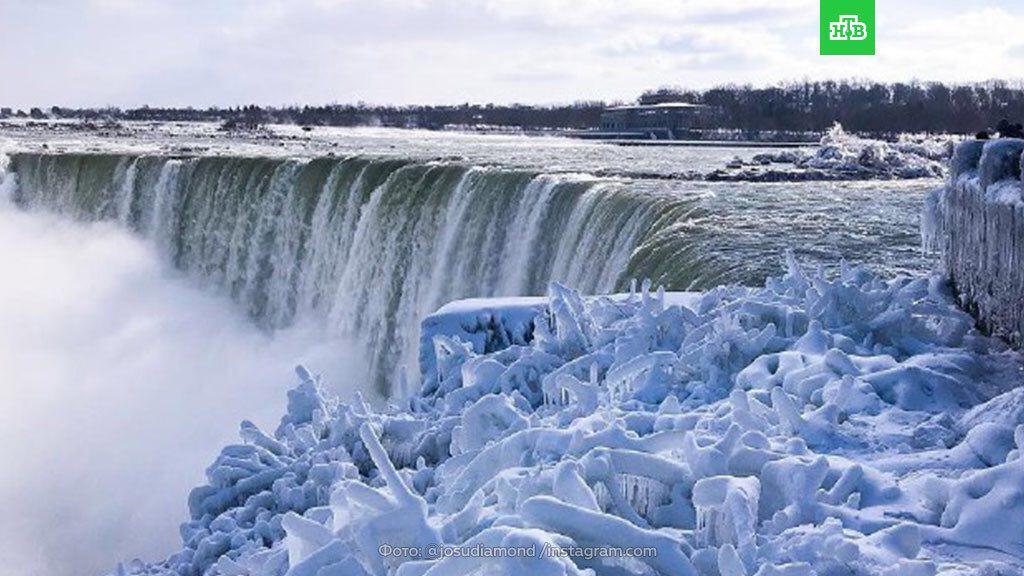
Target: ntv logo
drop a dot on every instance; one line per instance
(847, 28)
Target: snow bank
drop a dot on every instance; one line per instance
(976, 222)
(814, 426)
(843, 156)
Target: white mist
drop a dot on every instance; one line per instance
(118, 384)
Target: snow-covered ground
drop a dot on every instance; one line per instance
(843, 156)
(813, 426)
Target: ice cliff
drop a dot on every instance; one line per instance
(976, 222)
(814, 426)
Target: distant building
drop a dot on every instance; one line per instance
(661, 97)
(660, 121)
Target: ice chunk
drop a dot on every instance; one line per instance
(488, 419)
(966, 157)
(726, 510)
(1000, 160)
(591, 528)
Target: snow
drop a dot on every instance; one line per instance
(490, 324)
(844, 156)
(975, 222)
(814, 426)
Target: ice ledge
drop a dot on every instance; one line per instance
(976, 223)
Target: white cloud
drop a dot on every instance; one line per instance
(405, 51)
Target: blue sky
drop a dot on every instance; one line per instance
(228, 52)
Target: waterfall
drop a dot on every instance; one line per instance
(370, 245)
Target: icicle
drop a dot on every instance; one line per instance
(641, 492)
(727, 510)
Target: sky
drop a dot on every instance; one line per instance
(274, 52)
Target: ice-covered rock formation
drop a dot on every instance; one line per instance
(976, 222)
(843, 156)
(813, 427)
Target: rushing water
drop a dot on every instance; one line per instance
(370, 243)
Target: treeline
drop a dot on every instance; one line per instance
(868, 107)
(578, 115)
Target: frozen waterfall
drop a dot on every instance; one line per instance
(368, 245)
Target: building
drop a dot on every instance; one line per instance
(660, 121)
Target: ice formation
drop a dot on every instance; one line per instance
(813, 427)
(976, 222)
(843, 156)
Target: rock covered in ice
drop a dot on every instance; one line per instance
(815, 426)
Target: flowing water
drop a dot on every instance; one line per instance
(369, 231)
